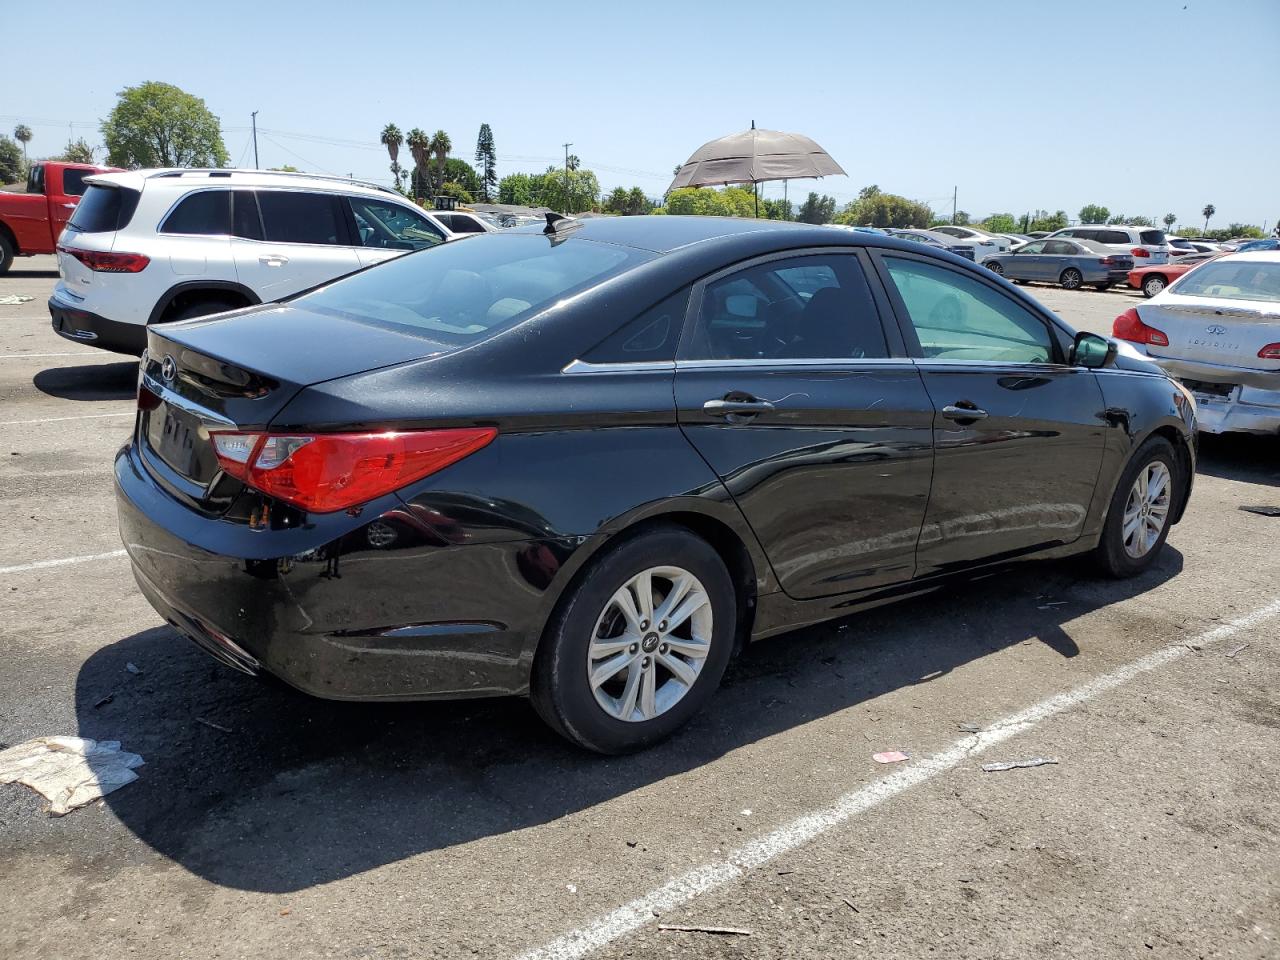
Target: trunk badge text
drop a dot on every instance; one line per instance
(168, 368)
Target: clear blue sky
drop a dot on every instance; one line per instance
(1145, 106)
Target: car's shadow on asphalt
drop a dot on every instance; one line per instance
(1240, 456)
(91, 381)
(256, 787)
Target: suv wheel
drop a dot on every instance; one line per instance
(1138, 519)
(639, 645)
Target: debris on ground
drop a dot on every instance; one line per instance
(14, 299)
(1262, 511)
(69, 771)
(968, 727)
(1232, 653)
(849, 903)
(890, 756)
(1053, 603)
(731, 931)
(132, 667)
(105, 700)
(1017, 764)
(215, 726)
(1192, 646)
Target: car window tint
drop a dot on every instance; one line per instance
(290, 216)
(1036, 247)
(1153, 237)
(204, 212)
(245, 221)
(1060, 247)
(1112, 236)
(1233, 280)
(653, 335)
(960, 318)
(466, 225)
(73, 182)
(802, 308)
(104, 209)
(392, 226)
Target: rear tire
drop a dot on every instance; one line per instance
(1104, 287)
(6, 254)
(1071, 279)
(1129, 544)
(1153, 284)
(589, 618)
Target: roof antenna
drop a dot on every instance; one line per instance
(554, 218)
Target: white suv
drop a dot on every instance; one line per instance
(1147, 245)
(151, 246)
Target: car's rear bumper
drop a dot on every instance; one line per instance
(1242, 410)
(335, 610)
(96, 331)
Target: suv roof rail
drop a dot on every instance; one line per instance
(229, 171)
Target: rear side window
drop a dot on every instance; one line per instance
(294, 217)
(959, 318)
(1154, 237)
(465, 225)
(103, 209)
(73, 182)
(207, 212)
(653, 335)
(245, 221)
(1060, 247)
(1112, 236)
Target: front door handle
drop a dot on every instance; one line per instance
(963, 411)
(736, 411)
(273, 260)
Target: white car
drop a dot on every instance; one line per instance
(1147, 245)
(462, 221)
(151, 246)
(1217, 330)
(980, 239)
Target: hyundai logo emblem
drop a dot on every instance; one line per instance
(1216, 329)
(168, 369)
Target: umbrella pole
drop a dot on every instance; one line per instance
(755, 190)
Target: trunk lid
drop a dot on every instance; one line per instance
(1222, 332)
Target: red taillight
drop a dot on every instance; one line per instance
(1140, 252)
(1270, 352)
(147, 399)
(325, 472)
(1108, 261)
(1129, 326)
(102, 261)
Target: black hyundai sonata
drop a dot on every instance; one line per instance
(588, 462)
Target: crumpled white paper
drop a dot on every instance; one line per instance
(69, 771)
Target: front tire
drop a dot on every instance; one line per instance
(1152, 285)
(994, 266)
(638, 645)
(1138, 520)
(1071, 279)
(6, 254)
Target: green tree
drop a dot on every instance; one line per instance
(638, 203)
(158, 125)
(1208, 211)
(11, 163)
(616, 201)
(487, 161)
(1169, 220)
(419, 147)
(451, 189)
(777, 209)
(627, 203)
(463, 174)
(287, 168)
(960, 219)
(1043, 220)
(76, 151)
(440, 146)
(1000, 223)
(519, 188)
(22, 133)
(393, 139)
(885, 210)
(1093, 213)
(582, 193)
(704, 201)
(816, 209)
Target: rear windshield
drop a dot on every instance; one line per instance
(1152, 237)
(103, 209)
(463, 291)
(1233, 280)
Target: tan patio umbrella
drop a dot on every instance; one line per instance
(754, 156)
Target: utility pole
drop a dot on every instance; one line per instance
(955, 191)
(566, 177)
(254, 117)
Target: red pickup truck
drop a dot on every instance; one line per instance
(31, 222)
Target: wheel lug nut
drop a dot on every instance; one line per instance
(644, 624)
(662, 625)
(634, 647)
(663, 649)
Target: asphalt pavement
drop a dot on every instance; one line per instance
(267, 824)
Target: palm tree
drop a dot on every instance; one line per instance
(22, 133)
(572, 161)
(1169, 220)
(1208, 211)
(420, 147)
(440, 145)
(392, 138)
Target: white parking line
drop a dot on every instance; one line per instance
(62, 562)
(87, 416)
(703, 879)
(23, 356)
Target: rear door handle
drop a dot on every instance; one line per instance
(735, 411)
(274, 260)
(963, 410)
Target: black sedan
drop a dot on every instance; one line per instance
(587, 462)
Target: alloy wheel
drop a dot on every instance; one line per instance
(650, 643)
(1147, 509)
(1071, 279)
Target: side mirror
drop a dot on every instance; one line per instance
(1092, 351)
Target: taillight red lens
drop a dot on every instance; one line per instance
(1129, 326)
(1108, 261)
(1140, 252)
(325, 472)
(101, 261)
(1270, 352)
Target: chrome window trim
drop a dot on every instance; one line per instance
(579, 367)
(793, 362)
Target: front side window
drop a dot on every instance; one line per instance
(801, 308)
(290, 216)
(1037, 247)
(465, 225)
(207, 212)
(392, 227)
(960, 318)
(1232, 280)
